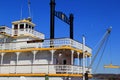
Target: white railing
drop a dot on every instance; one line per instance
(39, 68)
(6, 30)
(30, 32)
(45, 44)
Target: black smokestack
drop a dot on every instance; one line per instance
(52, 18)
(71, 25)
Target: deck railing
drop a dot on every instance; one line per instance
(6, 30)
(45, 44)
(30, 32)
(39, 68)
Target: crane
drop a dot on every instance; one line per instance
(102, 42)
(111, 66)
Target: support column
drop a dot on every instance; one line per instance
(83, 49)
(78, 62)
(24, 27)
(2, 57)
(17, 53)
(13, 30)
(18, 30)
(78, 59)
(33, 61)
(52, 55)
(34, 54)
(16, 67)
(86, 60)
(72, 52)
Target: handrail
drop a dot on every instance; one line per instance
(41, 68)
(6, 30)
(45, 44)
(31, 32)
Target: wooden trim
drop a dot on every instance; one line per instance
(43, 75)
(43, 49)
(40, 49)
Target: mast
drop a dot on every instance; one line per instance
(83, 49)
(29, 10)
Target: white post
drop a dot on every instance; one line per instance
(17, 53)
(33, 62)
(2, 56)
(72, 57)
(52, 55)
(83, 47)
(18, 32)
(34, 54)
(24, 27)
(86, 60)
(78, 59)
(13, 30)
(72, 52)
(78, 62)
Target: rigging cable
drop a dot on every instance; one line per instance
(101, 55)
(101, 44)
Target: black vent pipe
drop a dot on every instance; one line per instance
(71, 26)
(52, 18)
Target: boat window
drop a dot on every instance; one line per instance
(2, 27)
(21, 26)
(29, 26)
(16, 26)
(26, 25)
(64, 62)
(32, 27)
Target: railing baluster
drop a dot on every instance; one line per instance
(46, 44)
(39, 68)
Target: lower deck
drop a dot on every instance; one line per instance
(40, 78)
(41, 69)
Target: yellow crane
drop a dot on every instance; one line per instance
(111, 66)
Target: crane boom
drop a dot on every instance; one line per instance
(102, 42)
(105, 37)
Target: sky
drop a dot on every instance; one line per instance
(91, 18)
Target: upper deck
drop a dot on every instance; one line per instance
(42, 44)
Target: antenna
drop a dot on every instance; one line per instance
(29, 8)
(21, 13)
